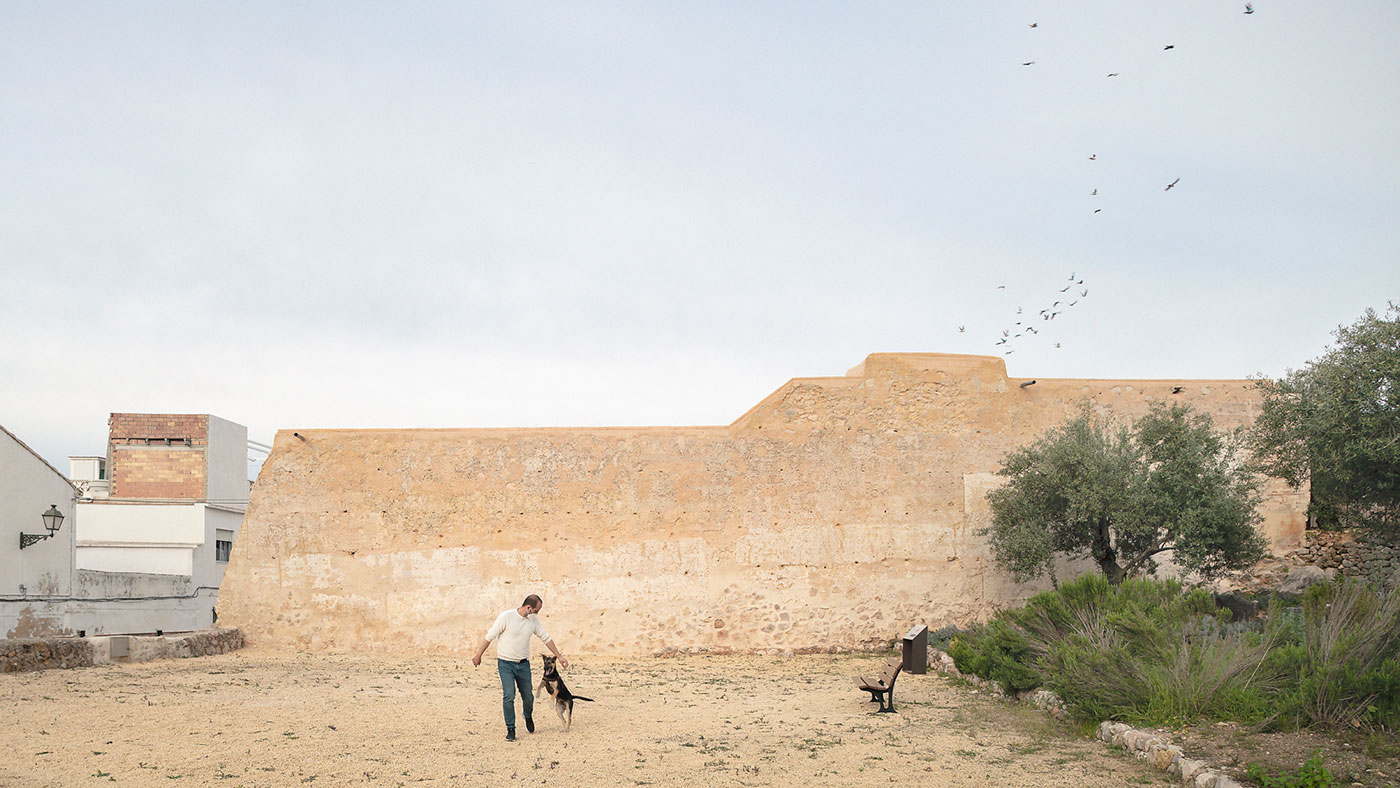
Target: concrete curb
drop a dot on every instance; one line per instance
(1148, 745)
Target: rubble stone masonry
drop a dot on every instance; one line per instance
(835, 514)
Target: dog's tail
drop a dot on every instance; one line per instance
(580, 697)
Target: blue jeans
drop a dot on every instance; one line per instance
(515, 674)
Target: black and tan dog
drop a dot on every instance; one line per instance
(553, 684)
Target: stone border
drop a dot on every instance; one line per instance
(1145, 744)
(30, 654)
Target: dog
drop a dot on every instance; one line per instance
(553, 684)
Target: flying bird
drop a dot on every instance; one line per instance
(1006, 333)
(1093, 156)
(1248, 9)
(1170, 185)
(1001, 287)
(1029, 63)
(1018, 310)
(1066, 287)
(1072, 303)
(1114, 74)
(1168, 46)
(1084, 293)
(1098, 210)
(1009, 352)
(962, 329)
(1071, 273)
(1093, 193)
(1057, 344)
(1034, 24)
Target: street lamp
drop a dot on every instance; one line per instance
(53, 520)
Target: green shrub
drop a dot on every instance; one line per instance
(998, 652)
(1146, 651)
(1341, 658)
(1312, 774)
(943, 637)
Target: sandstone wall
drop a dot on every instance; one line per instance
(833, 515)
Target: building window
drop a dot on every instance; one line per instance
(222, 549)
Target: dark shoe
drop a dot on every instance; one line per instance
(530, 724)
(510, 734)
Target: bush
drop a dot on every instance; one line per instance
(998, 652)
(1145, 651)
(942, 637)
(1342, 657)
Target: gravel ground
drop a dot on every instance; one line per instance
(254, 718)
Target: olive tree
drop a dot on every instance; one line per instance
(1336, 424)
(1123, 495)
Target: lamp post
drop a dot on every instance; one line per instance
(53, 520)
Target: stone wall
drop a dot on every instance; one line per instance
(27, 654)
(833, 514)
(1352, 554)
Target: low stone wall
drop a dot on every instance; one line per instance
(27, 654)
(1145, 744)
(1351, 554)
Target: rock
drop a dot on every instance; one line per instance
(1242, 608)
(1300, 580)
(1188, 768)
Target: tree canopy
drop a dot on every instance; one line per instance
(1336, 424)
(1125, 495)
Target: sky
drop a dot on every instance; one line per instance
(421, 214)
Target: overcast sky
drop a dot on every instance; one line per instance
(337, 214)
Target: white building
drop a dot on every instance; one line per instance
(148, 531)
(34, 574)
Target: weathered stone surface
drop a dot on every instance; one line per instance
(852, 505)
(1188, 768)
(1163, 755)
(18, 656)
(1299, 580)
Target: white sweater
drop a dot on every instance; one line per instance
(514, 631)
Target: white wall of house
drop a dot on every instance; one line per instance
(44, 570)
(227, 458)
(221, 523)
(143, 559)
(154, 524)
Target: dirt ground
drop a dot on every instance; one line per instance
(1358, 758)
(263, 719)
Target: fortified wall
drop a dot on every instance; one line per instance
(833, 515)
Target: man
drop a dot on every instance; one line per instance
(514, 628)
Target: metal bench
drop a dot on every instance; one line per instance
(881, 688)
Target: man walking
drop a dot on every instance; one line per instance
(512, 632)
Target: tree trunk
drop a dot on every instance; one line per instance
(1109, 564)
(1105, 555)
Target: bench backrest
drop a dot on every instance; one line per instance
(892, 668)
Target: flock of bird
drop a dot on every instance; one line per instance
(1026, 327)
